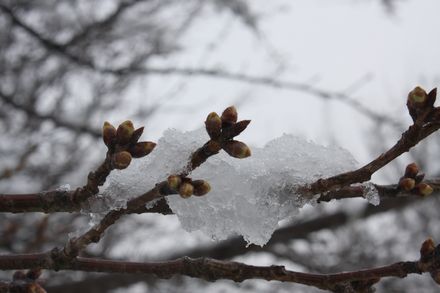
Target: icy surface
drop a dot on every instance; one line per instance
(371, 194)
(248, 197)
(64, 187)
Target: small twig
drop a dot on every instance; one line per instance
(221, 131)
(212, 270)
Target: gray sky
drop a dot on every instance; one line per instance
(330, 44)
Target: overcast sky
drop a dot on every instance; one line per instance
(330, 44)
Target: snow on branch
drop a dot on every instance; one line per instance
(246, 197)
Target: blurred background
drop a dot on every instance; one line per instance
(335, 72)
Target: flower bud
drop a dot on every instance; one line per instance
(124, 132)
(431, 98)
(237, 149)
(174, 181)
(186, 190)
(213, 125)
(407, 184)
(108, 133)
(411, 170)
(136, 135)
(424, 189)
(121, 160)
(428, 246)
(417, 96)
(201, 187)
(235, 129)
(213, 146)
(229, 115)
(141, 149)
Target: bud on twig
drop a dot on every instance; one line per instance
(235, 129)
(121, 160)
(407, 184)
(201, 187)
(214, 146)
(229, 115)
(141, 149)
(136, 135)
(186, 190)
(108, 133)
(411, 170)
(124, 132)
(213, 125)
(431, 97)
(236, 149)
(424, 189)
(417, 96)
(174, 181)
(428, 246)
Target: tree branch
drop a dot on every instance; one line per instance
(212, 269)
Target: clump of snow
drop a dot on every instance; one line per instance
(64, 188)
(371, 194)
(248, 196)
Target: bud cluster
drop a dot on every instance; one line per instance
(186, 186)
(427, 253)
(222, 129)
(412, 181)
(123, 143)
(420, 102)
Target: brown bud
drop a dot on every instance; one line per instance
(34, 274)
(235, 129)
(186, 190)
(411, 170)
(121, 160)
(214, 146)
(136, 135)
(237, 149)
(431, 98)
(213, 125)
(407, 184)
(428, 246)
(19, 275)
(229, 115)
(174, 181)
(124, 132)
(141, 149)
(35, 288)
(417, 97)
(435, 275)
(424, 189)
(108, 133)
(201, 187)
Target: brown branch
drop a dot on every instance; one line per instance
(221, 131)
(212, 270)
(415, 133)
(236, 246)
